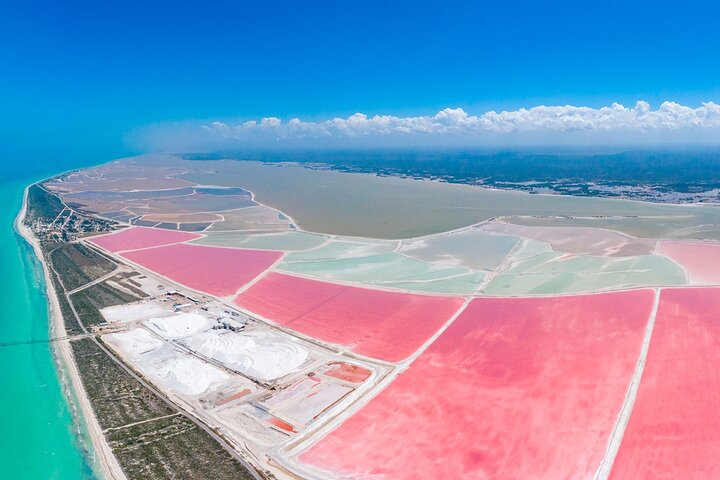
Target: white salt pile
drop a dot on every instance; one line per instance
(179, 325)
(166, 366)
(186, 374)
(134, 343)
(262, 355)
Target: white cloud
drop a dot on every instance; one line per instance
(670, 122)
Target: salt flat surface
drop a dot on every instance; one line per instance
(302, 387)
(674, 429)
(262, 355)
(315, 403)
(214, 270)
(134, 311)
(180, 325)
(133, 238)
(701, 260)
(678, 221)
(380, 324)
(258, 217)
(248, 421)
(514, 388)
(196, 203)
(579, 240)
(167, 367)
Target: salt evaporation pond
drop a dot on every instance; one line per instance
(135, 238)
(133, 312)
(674, 428)
(213, 270)
(471, 248)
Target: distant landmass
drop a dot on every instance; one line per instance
(665, 176)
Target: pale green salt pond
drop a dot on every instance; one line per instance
(389, 270)
(339, 249)
(471, 248)
(687, 222)
(554, 273)
(285, 241)
(530, 248)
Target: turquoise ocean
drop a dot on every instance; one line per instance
(40, 438)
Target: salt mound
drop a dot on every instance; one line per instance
(133, 312)
(260, 355)
(180, 325)
(135, 342)
(185, 374)
(167, 367)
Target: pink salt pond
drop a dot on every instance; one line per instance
(348, 372)
(674, 428)
(213, 270)
(514, 388)
(380, 324)
(135, 238)
(700, 260)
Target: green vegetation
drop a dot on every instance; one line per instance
(89, 301)
(43, 206)
(145, 452)
(79, 264)
(116, 397)
(125, 279)
(72, 327)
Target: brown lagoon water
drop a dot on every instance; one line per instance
(390, 207)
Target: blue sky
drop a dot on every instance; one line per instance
(75, 77)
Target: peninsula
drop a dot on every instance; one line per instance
(230, 319)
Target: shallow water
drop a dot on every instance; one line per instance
(390, 207)
(38, 438)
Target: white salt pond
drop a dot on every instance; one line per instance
(134, 311)
(305, 410)
(258, 354)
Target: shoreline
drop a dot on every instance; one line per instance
(105, 459)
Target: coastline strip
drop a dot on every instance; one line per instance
(109, 465)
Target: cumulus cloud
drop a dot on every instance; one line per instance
(670, 122)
